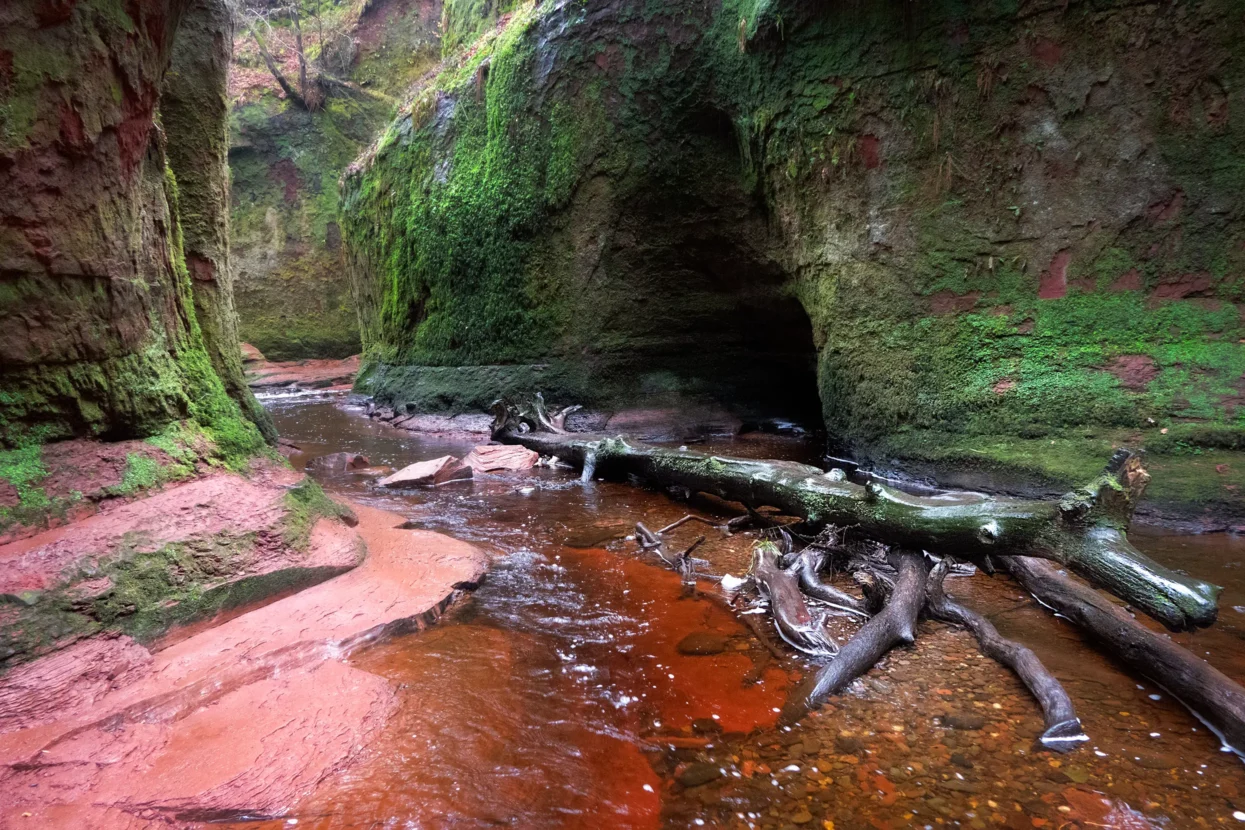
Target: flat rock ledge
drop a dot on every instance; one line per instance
(237, 720)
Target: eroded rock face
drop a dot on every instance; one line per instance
(978, 212)
(100, 332)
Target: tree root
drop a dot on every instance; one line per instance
(1211, 695)
(1084, 530)
(802, 628)
(895, 624)
(1063, 728)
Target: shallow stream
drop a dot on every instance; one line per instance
(557, 694)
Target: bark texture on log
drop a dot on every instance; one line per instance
(1084, 530)
(1063, 728)
(1215, 698)
(895, 624)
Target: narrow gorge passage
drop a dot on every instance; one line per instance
(453, 414)
(557, 696)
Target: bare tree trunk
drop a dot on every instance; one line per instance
(290, 92)
(311, 100)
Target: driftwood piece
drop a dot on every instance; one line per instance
(1216, 699)
(807, 567)
(895, 624)
(1063, 728)
(802, 628)
(1084, 531)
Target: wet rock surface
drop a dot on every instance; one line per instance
(171, 720)
(435, 471)
(495, 458)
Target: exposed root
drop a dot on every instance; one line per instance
(1214, 697)
(802, 628)
(807, 565)
(894, 625)
(1063, 728)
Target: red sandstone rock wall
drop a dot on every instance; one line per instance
(98, 331)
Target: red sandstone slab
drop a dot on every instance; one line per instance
(216, 504)
(501, 457)
(441, 470)
(241, 718)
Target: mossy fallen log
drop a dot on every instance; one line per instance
(1085, 530)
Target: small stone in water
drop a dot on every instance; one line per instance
(706, 726)
(848, 745)
(1155, 760)
(965, 721)
(698, 774)
(1078, 775)
(702, 643)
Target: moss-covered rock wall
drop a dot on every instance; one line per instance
(1013, 221)
(100, 334)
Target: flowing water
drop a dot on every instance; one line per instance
(557, 695)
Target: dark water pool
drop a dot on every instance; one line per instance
(557, 696)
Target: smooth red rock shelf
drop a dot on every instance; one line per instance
(243, 718)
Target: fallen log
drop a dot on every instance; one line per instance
(893, 625)
(1216, 699)
(1084, 531)
(1063, 727)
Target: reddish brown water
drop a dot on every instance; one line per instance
(556, 696)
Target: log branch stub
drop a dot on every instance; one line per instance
(1216, 699)
(893, 625)
(1063, 728)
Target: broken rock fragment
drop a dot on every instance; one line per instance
(501, 457)
(437, 471)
